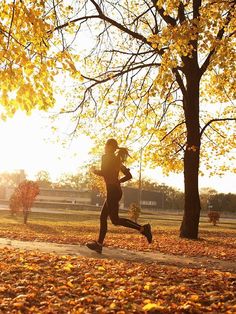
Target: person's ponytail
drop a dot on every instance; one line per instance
(123, 153)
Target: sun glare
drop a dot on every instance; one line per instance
(27, 143)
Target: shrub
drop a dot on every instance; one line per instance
(134, 211)
(214, 216)
(23, 198)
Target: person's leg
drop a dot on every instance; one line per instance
(113, 211)
(117, 221)
(114, 196)
(103, 223)
(97, 245)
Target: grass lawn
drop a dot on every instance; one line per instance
(91, 217)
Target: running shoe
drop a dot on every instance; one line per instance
(95, 246)
(146, 231)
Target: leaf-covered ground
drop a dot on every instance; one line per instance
(221, 245)
(33, 282)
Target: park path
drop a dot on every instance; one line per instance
(122, 254)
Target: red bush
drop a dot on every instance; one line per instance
(23, 197)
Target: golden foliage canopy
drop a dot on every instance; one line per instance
(134, 78)
(31, 55)
(138, 74)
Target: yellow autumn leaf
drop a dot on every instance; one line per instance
(112, 306)
(147, 287)
(111, 279)
(68, 267)
(152, 306)
(101, 268)
(70, 284)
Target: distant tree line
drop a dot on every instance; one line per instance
(172, 198)
(212, 200)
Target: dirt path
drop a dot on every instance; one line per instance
(122, 254)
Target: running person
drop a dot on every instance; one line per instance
(112, 164)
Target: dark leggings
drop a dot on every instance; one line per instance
(111, 209)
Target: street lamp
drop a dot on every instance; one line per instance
(140, 178)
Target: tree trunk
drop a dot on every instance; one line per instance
(192, 207)
(25, 213)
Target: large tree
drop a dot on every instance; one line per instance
(152, 69)
(153, 72)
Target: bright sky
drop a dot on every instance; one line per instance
(28, 143)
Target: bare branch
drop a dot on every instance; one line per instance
(89, 17)
(120, 73)
(220, 134)
(57, 22)
(156, 28)
(118, 25)
(215, 120)
(12, 19)
(176, 126)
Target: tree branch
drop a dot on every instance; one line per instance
(167, 18)
(120, 73)
(177, 125)
(215, 120)
(196, 6)
(74, 21)
(207, 61)
(12, 19)
(118, 25)
(181, 14)
(180, 82)
(219, 36)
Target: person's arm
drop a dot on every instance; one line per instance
(127, 174)
(102, 170)
(98, 172)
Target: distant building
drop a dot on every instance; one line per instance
(64, 196)
(149, 199)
